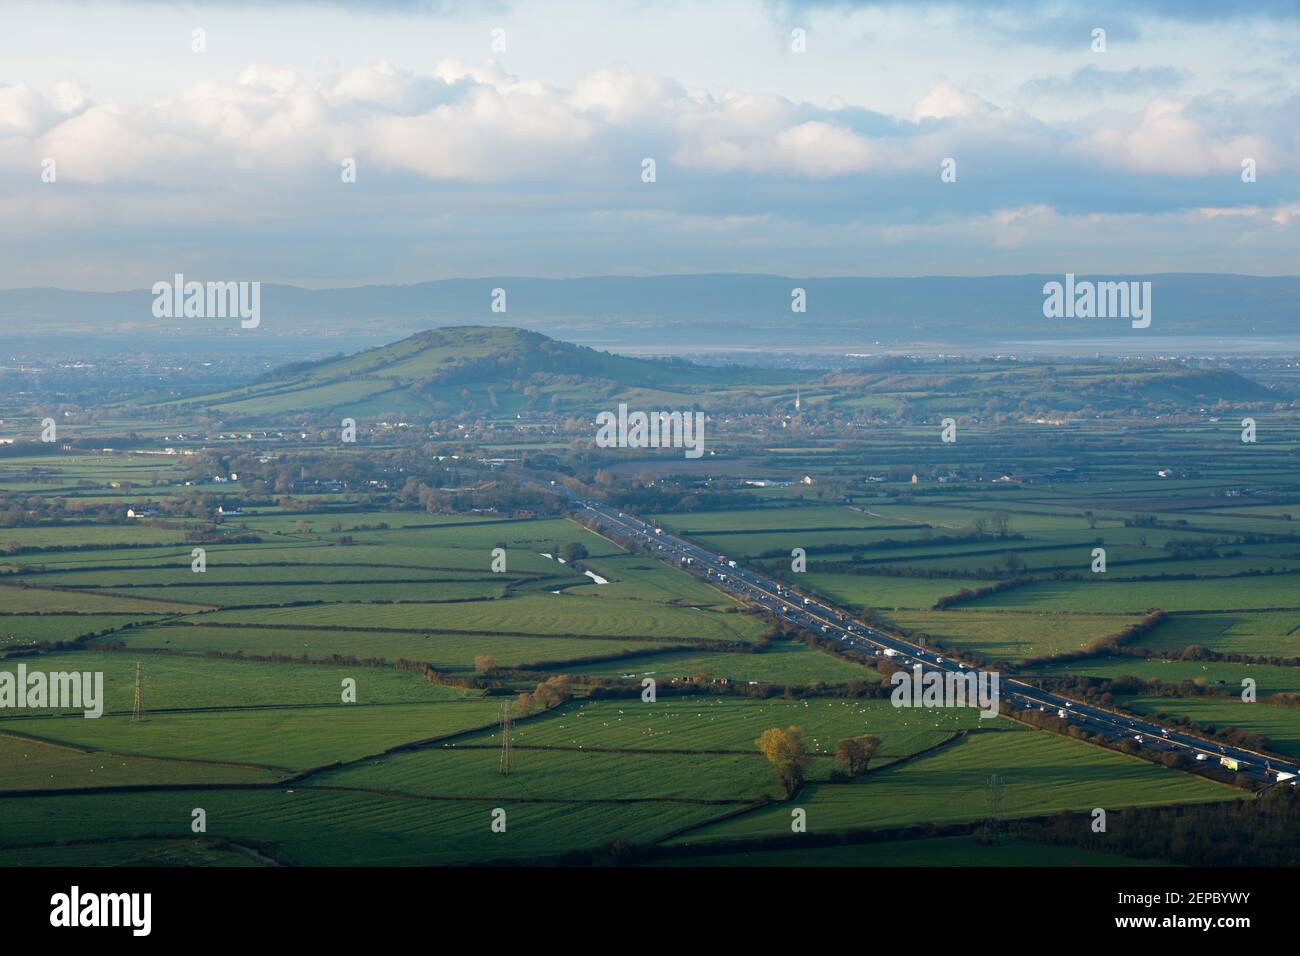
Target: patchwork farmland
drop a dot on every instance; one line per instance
(327, 643)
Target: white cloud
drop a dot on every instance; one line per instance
(23, 111)
(257, 148)
(1166, 139)
(946, 101)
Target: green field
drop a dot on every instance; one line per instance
(1225, 674)
(1261, 633)
(1006, 635)
(1281, 725)
(176, 683)
(149, 853)
(451, 652)
(283, 739)
(550, 614)
(330, 563)
(329, 828)
(779, 663)
(33, 765)
(1131, 597)
(1040, 774)
(32, 600)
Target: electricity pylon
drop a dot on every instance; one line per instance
(505, 737)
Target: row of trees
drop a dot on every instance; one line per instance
(1251, 833)
(549, 693)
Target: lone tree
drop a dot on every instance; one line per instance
(855, 753)
(484, 664)
(573, 551)
(784, 749)
(1011, 563)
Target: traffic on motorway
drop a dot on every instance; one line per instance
(831, 623)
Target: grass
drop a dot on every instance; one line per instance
(755, 521)
(541, 614)
(782, 662)
(1280, 724)
(1008, 635)
(1040, 773)
(734, 723)
(295, 738)
(224, 575)
(1269, 679)
(578, 775)
(1260, 633)
(324, 828)
(34, 628)
(884, 592)
(175, 682)
(1130, 597)
(289, 592)
(591, 771)
(15, 600)
(450, 652)
(32, 765)
(103, 535)
(132, 853)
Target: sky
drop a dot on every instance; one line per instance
(501, 138)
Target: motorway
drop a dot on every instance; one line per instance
(831, 623)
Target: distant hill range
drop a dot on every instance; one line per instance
(503, 373)
(679, 313)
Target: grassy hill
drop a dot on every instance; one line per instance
(497, 371)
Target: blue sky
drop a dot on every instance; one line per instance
(527, 160)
